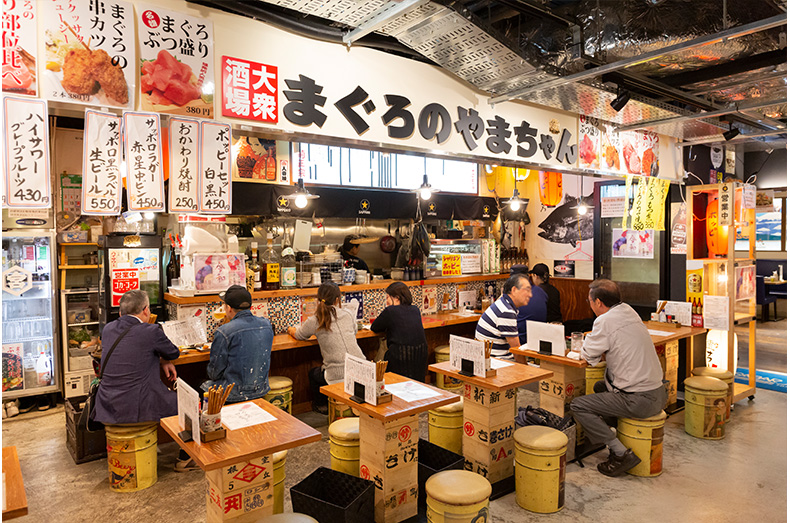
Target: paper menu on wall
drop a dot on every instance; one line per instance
(188, 405)
(429, 305)
(242, 415)
(470, 263)
(466, 349)
(362, 372)
(185, 333)
(681, 310)
(716, 312)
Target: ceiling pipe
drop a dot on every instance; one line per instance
(382, 16)
(739, 139)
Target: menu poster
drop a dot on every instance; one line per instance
(745, 282)
(307, 306)
(640, 152)
(611, 150)
(363, 372)
(26, 149)
(716, 312)
(144, 180)
(681, 310)
(101, 164)
(589, 142)
(90, 52)
(188, 409)
(20, 47)
(470, 264)
(678, 232)
(466, 349)
(260, 309)
(612, 206)
(249, 90)
(184, 148)
(451, 265)
(255, 160)
(564, 268)
(13, 377)
(429, 303)
(215, 168)
(632, 244)
(176, 62)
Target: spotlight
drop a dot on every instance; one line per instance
(732, 133)
(515, 201)
(425, 190)
(622, 98)
(301, 195)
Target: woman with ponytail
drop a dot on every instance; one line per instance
(336, 331)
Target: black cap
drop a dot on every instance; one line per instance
(519, 268)
(237, 297)
(540, 269)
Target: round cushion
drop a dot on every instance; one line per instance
(661, 416)
(279, 456)
(458, 406)
(458, 487)
(280, 382)
(713, 372)
(540, 438)
(442, 349)
(346, 428)
(706, 383)
(288, 517)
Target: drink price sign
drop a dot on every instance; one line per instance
(451, 265)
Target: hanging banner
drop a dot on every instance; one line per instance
(184, 165)
(20, 47)
(177, 62)
(26, 148)
(249, 90)
(90, 52)
(215, 188)
(678, 237)
(626, 210)
(144, 180)
(655, 196)
(589, 142)
(640, 152)
(101, 164)
(639, 209)
(611, 150)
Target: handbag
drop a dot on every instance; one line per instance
(86, 416)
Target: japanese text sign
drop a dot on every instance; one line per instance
(184, 164)
(19, 47)
(451, 265)
(215, 161)
(360, 371)
(26, 170)
(101, 164)
(121, 281)
(177, 62)
(90, 52)
(144, 179)
(589, 142)
(249, 90)
(466, 349)
(725, 205)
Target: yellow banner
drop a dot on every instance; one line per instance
(628, 178)
(648, 209)
(638, 211)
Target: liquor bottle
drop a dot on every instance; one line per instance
(170, 270)
(256, 268)
(288, 268)
(249, 274)
(271, 166)
(270, 275)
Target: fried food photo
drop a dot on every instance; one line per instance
(109, 76)
(77, 77)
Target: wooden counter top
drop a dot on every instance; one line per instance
(513, 375)
(15, 498)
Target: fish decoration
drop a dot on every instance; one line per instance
(565, 225)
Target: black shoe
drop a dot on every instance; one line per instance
(321, 409)
(618, 465)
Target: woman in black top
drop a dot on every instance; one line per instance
(540, 277)
(407, 348)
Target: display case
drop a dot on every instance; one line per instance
(455, 258)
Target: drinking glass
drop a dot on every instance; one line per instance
(577, 340)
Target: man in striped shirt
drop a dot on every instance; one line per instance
(498, 322)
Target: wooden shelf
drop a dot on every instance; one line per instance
(742, 317)
(78, 267)
(88, 244)
(742, 391)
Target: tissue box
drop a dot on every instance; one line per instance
(74, 237)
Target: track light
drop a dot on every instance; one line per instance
(622, 98)
(732, 133)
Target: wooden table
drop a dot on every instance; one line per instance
(388, 441)
(239, 467)
(14, 495)
(489, 411)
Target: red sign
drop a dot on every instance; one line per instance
(469, 429)
(404, 433)
(123, 280)
(249, 90)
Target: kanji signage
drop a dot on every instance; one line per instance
(26, 169)
(19, 47)
(101, 164)
(184, 165)
(451, 265)
(144, 180)
(122, 281)
(215, 187)
(249, 90)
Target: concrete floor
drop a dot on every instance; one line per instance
(735, 479)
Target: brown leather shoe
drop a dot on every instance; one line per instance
(618, 465)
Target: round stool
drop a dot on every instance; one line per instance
(279, 480)
(723, 375)
(131, 456)
(457, 495)
(540, 468)
(339, 410)
(280, 392)
(344, 445)
(445, 426)
(593, 375)
(290, 517)
(706, 405)
(445, 382)
(645, 437)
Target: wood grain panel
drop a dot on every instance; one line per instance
(514, 375)
(573, 298)
(15, 498)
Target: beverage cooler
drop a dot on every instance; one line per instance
(31, 359)
(128, 262)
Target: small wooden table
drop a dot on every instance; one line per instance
(239, 467)
(14, 488)
(388, 441)
(489, 420)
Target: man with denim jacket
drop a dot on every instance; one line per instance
(242, 349)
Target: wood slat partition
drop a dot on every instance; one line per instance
(573, 298)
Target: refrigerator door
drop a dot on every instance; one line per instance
(30, 361)
(133, 268)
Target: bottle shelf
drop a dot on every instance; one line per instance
(82, 324)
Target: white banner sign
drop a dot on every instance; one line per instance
(101, 164)
(215, 168)
(362, 372)
(144, 179)
(26, 147)
(184, 164)
(466, 349)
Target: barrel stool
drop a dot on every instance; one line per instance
(339, 410)
(706, 407)
(278, 458)
(280, 392)
(723, 375)
(645, 437)
(344, 445)
(454, 496)
(593, 375)
(290, 517)
(445, 426)
(131, 456)
(445, 382)
(540, 468)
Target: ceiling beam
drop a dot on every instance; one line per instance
(389, 11)
(740, 65)
(737, 139)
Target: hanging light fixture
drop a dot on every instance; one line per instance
(301, 195)
(425, 190)
(717, 235)
(515, 202)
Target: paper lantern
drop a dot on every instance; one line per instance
(550, 188)
(716, 236)
(716, 349)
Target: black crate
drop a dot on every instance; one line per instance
(431, 459)
(334, 497)
(83, 446)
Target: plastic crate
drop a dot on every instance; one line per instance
(432, 458)
(334, 497)
(83, 446)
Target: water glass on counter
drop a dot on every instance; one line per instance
(577, 340)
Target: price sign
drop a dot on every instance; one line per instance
(451, 265)
(145, 182)
(184, 164)
(215, 168)
(123, 280)
(26, 171)
(101, 164)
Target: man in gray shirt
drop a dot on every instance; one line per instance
(632, 386)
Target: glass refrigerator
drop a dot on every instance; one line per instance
(31, 360)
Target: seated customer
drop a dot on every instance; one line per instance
(535, 310)
(241, 350)
(336, 331)
(539, 277)
(498, 322)
(407, 348)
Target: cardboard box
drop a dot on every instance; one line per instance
(241, 475)
(242, 502)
